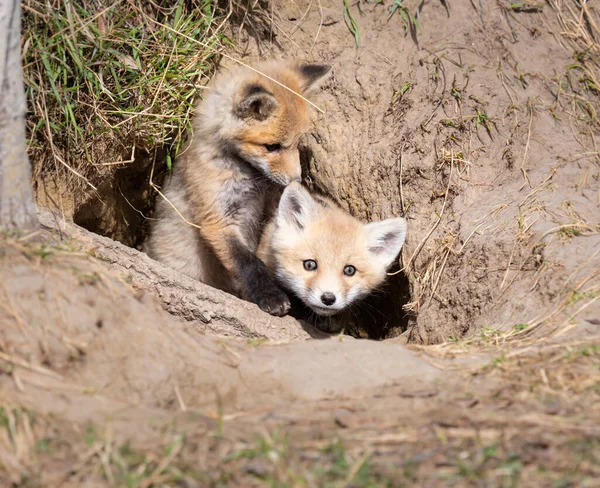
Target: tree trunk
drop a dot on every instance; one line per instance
(17, 210)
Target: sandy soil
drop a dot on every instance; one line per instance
(478, 129)
(467, 133)
(102, 386)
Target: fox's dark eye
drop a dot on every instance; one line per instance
(349, 270)
(272, 147)
(310, 265)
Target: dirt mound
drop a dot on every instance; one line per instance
(98, 330)
(472, 134)
(101, 386)
(80, 343)
(479, 126)
(458, 122)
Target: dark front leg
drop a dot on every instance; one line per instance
(257, 284)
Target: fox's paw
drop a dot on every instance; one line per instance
(274, 301)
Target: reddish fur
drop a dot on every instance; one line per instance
(226, 178)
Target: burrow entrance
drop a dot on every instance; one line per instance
(123, 208)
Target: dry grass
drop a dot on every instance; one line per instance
(579, 87)
(426, 277)
(535, 424)
(20, 436)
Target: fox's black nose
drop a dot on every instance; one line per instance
(328, 298)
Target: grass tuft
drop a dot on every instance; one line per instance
(105, 82)
(409, 20)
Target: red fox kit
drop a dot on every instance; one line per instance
(322, 254)
(244, 150)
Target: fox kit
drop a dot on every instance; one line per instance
(243, 152)
(323, 255)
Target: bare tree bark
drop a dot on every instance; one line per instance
(17, 209)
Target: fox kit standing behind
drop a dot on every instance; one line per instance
(243, 152)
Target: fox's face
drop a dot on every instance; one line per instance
(263, 120)
(325, 256)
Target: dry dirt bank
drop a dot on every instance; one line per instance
(118, 372)
(100, 385)
(483, 133)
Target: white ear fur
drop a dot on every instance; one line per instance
(385, 239)
(296, 207)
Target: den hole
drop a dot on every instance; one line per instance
(123, 209)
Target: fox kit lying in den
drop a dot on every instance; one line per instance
(243, 152)
(323, 255)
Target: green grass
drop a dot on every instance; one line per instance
(274, 460)
(482, 120)
(567, 233)
(352, 25)
(409, 20)
(102, 80)
(399, 93)
(529, 6)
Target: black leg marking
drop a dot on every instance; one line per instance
(258, 284)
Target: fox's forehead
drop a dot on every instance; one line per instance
(337, 240)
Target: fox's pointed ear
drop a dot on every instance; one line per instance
(257, 103)
(296, 207)
(312, 76)
(385, 239)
